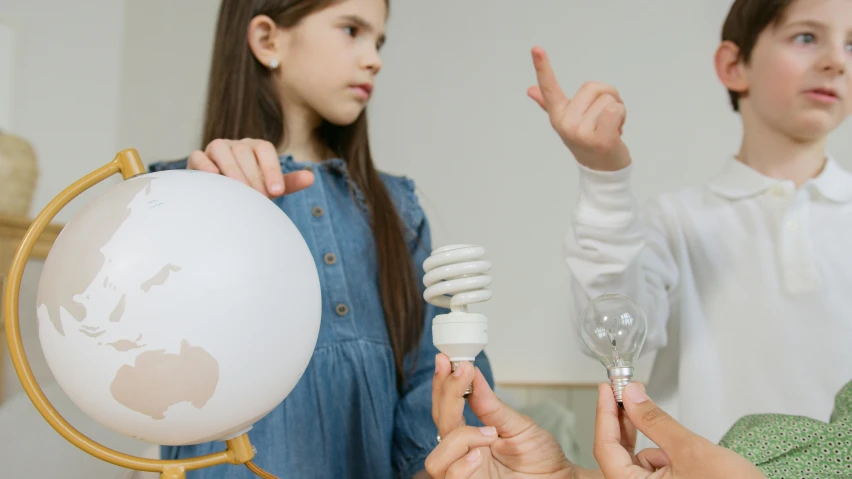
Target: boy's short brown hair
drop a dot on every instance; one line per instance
(746, 20)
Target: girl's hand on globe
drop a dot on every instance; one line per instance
(253, 162)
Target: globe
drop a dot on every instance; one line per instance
(179, 307)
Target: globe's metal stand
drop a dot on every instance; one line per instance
(239, 450)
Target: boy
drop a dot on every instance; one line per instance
(746, 281)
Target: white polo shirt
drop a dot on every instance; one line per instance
(746, 283)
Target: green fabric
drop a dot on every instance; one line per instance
(787, 447)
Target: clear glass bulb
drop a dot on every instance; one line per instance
(613, 326)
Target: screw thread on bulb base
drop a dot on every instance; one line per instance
(469, 389)
(619, 378)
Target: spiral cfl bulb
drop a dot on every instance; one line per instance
(613, 326)
(455, 277)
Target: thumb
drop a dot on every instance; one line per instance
(655, 423)
(494, 412)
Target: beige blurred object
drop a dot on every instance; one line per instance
(18, 174)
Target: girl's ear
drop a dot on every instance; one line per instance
(266, 41)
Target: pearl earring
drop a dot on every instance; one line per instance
(273, 64)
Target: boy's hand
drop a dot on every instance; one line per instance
(590, 124)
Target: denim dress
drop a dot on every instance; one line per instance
(345, 417)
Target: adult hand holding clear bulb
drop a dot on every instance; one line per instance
(682, 453)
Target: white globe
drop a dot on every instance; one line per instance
(179, 307)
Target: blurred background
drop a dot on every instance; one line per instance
(81, 80)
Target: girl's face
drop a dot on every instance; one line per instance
(329, 61)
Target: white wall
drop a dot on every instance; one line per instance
(66, 86)
(450, 111)
(7, 66)
(167, 47)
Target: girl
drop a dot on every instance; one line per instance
(289, 84)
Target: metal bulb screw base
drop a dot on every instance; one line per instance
(619, 378)
(469, 389)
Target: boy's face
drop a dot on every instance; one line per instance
(799, 79)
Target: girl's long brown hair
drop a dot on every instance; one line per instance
(242, 102)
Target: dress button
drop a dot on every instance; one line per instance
(330, 259)
(341, 309)
(317, 211)
(779, 190)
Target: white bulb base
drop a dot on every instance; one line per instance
(461, 336)
(619, 378)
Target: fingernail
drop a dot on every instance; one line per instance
(488, 431)
(473, 455)
(277, 188)
(458, 371)
(636, 393)
(437, 365)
